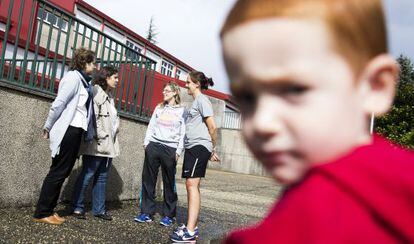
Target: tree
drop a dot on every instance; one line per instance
(398, 124)
(151, 33)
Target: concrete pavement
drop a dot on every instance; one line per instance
(228, 201)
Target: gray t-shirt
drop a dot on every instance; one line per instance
(196, 132)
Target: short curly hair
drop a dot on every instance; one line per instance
(81, 57)
(100, 76)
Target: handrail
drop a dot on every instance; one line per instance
(39, 50)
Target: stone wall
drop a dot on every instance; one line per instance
(235, 156)
(25, 155)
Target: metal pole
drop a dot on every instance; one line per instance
(371, 127)
(6, 36)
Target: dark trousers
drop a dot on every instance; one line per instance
(62, 165)
(156, 155)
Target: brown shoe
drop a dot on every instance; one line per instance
(48, 220)
(61, 219)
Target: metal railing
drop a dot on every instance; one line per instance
(231, 120)
(37, 46)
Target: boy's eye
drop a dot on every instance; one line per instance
(246, 99)
(293, 90)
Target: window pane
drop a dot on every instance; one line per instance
(41, 14)
(80, 28)
(62, 24)
(51, 18)
(95, 36)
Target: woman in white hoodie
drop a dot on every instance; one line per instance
(164, 142)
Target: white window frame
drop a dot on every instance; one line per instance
(167, 68)
(177, 73)
(45, 16)
(133, 46)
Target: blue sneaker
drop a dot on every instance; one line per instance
(182, 226)
(166, 221)
(143, 218)
(182, 235)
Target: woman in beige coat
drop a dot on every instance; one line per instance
(97, 155)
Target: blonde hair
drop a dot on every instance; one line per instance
(357, 27)
(174, 88)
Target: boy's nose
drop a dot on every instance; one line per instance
(266, 120)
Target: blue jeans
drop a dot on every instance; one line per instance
(97, 168)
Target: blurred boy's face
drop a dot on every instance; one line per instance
(300, 102)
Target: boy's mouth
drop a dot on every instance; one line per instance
(276, 157)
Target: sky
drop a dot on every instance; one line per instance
(189, 29)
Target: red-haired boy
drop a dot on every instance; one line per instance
(308, 74)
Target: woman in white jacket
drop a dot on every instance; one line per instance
(164, 142)
(70, 116)
(98, 154)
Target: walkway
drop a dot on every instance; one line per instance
(228, 200)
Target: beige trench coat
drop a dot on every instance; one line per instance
(104, 145)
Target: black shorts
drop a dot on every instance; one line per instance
(195, 162)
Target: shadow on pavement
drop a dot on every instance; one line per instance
(114, 190)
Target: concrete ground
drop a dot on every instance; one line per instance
(228, 201)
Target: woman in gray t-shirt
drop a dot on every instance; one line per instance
(199, 143)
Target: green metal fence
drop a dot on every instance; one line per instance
(37, 46)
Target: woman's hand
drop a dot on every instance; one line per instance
(214, 157)
(45, 134)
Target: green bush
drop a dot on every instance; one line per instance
(398, 124)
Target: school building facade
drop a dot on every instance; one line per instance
(37, 39)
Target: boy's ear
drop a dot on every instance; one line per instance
(379, 79)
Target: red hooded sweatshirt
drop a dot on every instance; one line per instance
(364, 197)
